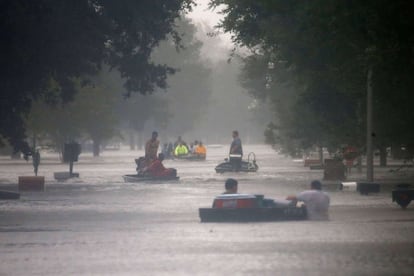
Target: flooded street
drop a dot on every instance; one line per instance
(99, 225)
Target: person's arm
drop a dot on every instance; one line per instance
(147, 148)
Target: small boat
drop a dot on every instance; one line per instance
(250, 208)
(139, 178)
(246, 166)
(191, 157)
(144, 177)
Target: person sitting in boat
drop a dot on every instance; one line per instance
(151, 148)
(230, 186)
(167, 150)
(200, 150)
(191, 148)
(180, 150)
(316, 201)
(179, 140)
(157, 169)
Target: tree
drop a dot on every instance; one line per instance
(189, 88)
(63, 40)
(327, 47)
(91, 115)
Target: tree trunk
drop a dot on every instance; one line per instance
(96, 148)
(370, 151)
(321, 154)
(131, 140)
(140, 141)
(359, 163)
(383, 156)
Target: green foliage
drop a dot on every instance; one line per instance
(63, 40)
(189, 88)
(90, 115)
(326, 48)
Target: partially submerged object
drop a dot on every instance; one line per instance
(245, 208)
(62, 176)
(246, 166)
(9, 195)
(403, 195)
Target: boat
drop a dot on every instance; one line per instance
(139, 178)
(246, 166)
(191, 157)
(250, 208)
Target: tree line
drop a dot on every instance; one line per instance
(311, 60)
(50, 50)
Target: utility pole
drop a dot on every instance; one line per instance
(370, 155)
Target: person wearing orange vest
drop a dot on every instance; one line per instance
(200, 150)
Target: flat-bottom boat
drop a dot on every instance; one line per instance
(246, 166)
(191, 157)
(250, 208)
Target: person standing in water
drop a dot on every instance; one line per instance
(236, 151)
(316, 201)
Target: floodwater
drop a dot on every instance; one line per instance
(99, 225)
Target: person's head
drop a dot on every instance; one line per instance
(235, 133)
(160, 156)
(200, 143)
(316, 185)
(231, 185)
(154, 135)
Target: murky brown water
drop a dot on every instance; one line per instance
(99, 225)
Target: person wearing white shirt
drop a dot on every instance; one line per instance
(316, 201)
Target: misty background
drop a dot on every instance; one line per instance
(297, 77)
(203, 100)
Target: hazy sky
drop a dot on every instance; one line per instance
(205, 19)
(201, 13)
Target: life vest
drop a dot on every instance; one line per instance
(201, 150)
(181, 150)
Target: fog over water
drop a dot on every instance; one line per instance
(213, 103)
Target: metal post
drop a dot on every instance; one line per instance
(370, 155)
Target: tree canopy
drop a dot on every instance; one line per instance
(48, 40)
(321, 51)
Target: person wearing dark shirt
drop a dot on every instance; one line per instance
(236, 151)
